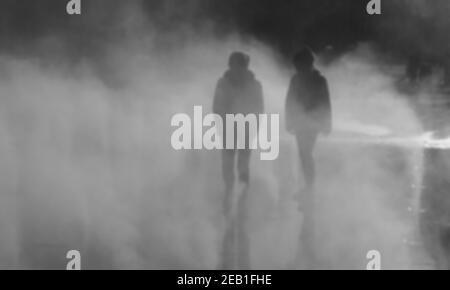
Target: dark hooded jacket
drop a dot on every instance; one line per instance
(308, 104)
(238, 92)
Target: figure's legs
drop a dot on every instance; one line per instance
(244, 166)
(228, 161)
(236, 240)
(306, 143)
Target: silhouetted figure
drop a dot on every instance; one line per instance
(237, 92)
(308, 113)
(308, 110)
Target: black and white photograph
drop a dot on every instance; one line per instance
(209, 136)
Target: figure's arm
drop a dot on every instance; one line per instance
(290, 107)
(328, 114)
(219, 98)
(260, 97)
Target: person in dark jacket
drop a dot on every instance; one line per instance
(237, 92)
(308, 111)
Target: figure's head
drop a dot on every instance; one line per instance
(239, 61)
(304, 59)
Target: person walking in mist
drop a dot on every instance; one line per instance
(237, 92)
(308, 114)
(308, 111)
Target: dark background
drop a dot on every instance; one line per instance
(406, 27)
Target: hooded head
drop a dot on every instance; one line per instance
(239, 61)
(239, 73)
(304, 60)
